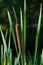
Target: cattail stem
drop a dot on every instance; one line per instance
(17, 31)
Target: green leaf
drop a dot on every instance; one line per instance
(4, 42)
(9, 40)
(12, 30)
(21, 22)
(17, 62)
(37, 34)
(41, 61)
(6, 34)
(24, 24)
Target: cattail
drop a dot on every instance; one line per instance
(18, 37)
(17, 32)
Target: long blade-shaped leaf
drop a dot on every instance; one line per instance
(22, 40)
(9, 40)
(6, 34)
(17, 60)
(24, 24)
(4, 42)
(41, 62)
(10, 56)
(12, 30)
(24, 30)
(37, 34)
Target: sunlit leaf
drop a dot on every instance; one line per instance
(4, 42)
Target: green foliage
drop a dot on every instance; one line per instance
(24, 23)
(12, 30)
(21, 57)
(37, 34)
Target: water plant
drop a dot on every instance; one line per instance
(21, 40)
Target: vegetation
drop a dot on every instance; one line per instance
(19, 39)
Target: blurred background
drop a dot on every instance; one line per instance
(33, 9)
(4, 5)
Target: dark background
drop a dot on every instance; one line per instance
(33, 7)
(4, 5)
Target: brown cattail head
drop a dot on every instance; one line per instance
(18, 37)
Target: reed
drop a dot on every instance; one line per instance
(24, 27)
(37, 34)
(17, 32)
(4, 42)
(6, 54)
(41, 61)
(12, 30)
